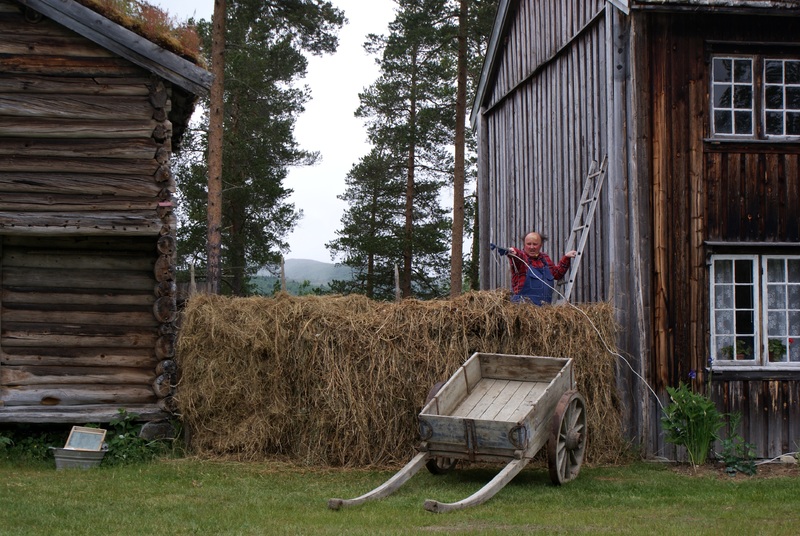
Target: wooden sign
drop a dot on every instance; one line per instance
(83, 438)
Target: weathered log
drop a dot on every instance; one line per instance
(99, 300)
(25, 127)
(100, 413)
(82, 107)
(79, 357)
(165, 309)
(165, 268)
(168, 404)
(133, 223)
(35, 202)
(162, 131)
(165, 288)
(65, 183)
(56, 395)
(167, 366)
(153, 431)
(165, 347)
(60, 315)
(164, 385)
(63, 259)
(163, 155)
(158, 95)
(70, 85)
(163, 174)
(97, 245)
(166, 245)
(123, 280)
(66, 375)
(164, 208)
(65, 164)
(20, 335)
(135, 149)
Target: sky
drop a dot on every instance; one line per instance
(328, 124)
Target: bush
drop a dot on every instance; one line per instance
(691, 420)
(124, 444)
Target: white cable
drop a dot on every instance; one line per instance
(510, 253)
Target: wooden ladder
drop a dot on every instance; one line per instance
(582, 223)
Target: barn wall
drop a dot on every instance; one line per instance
(544, 121)
(705, 191)
(86, 228)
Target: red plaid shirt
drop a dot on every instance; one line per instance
(519, 266)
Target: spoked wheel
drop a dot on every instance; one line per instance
(567, 442)
(438, 465)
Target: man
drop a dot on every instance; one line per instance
(533, 273)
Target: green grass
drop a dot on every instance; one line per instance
(189, 496)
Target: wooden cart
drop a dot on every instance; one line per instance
(497, 408)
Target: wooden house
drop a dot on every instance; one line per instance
(696, 238)
(90, 114)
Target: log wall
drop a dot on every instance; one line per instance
(87, 291)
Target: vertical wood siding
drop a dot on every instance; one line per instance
(709, 191)
(544, 122)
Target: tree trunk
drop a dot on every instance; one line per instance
(215, 129)
(456, 255)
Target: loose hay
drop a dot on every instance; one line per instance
(339, 380)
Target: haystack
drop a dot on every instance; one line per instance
(339, 380)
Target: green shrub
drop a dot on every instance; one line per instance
(124, 444)
(691, 420)
(737, 455)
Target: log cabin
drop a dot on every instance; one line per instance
(696, 237)
(90, 114)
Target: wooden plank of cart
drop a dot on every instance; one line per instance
(497, 408)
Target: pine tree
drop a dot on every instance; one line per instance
(264, 56)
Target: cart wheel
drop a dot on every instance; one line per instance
(438, 465)
(567, 442)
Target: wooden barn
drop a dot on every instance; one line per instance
(696, 237)
(90, 114)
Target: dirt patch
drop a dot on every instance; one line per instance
(764, 470)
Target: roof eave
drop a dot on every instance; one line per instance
(125, 43)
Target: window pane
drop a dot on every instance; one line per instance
(793, 123)
(722, 70)
(794, 353)
(744, 271)
(774, 97)
(776, 297)
(794, 270)
(773, 71)
(743, 122)
(794, 324)
(723, 297)
(724, 348)
(776, 323)
(792, 98)
(723, 271)
(724, 322)
(776, 270)
(774, 124)
(793, 296)
(743, 97)
(792, 72)
(742, 70)
(722, 96)
(723, 124)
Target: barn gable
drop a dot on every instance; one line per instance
(696, 240)
(89, 116)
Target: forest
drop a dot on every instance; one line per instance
(396, 235)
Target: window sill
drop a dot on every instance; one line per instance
(750, 145)
(721, 373)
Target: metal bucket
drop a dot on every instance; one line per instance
(77, 459)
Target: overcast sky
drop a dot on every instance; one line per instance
(328, 125)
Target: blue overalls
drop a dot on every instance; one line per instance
(538, 287)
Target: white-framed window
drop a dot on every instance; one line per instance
(755, 310)
(755, 97)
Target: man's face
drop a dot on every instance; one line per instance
(533, 244)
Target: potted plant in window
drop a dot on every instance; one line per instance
(743, 351)
(776, 350)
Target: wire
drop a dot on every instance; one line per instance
(608, 348)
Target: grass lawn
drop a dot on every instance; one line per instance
(189, 496)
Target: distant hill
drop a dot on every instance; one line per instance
(316, 272)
